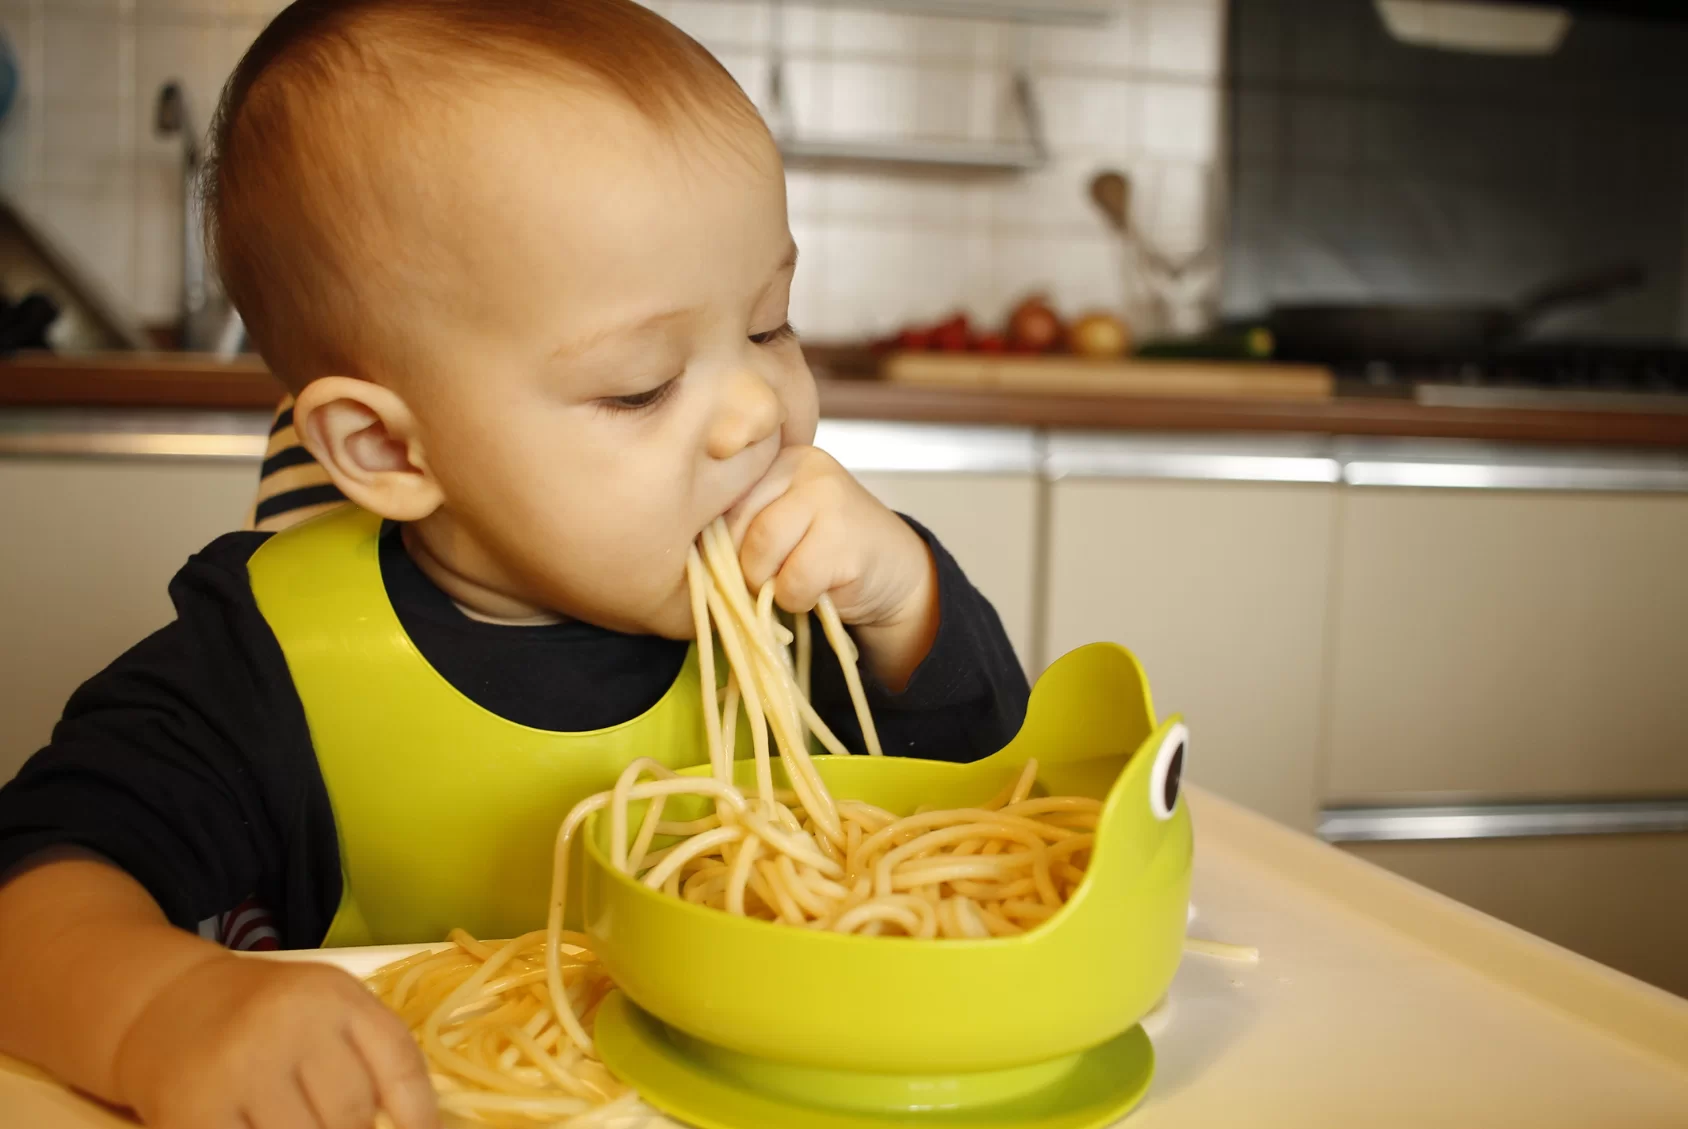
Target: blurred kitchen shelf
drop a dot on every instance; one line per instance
(1070, 12)
(1025, 155)
(932, 156)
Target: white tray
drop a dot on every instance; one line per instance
(1376, 1003)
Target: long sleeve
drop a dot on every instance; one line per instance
(966, 699)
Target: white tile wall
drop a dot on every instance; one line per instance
(1141, 94)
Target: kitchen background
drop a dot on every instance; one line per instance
(1458, 653)
(1140, 92)
(1365, 165)
(1467, 176)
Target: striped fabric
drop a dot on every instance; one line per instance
(247, 927)
(292, 486)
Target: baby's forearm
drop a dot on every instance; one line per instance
(83, 950)
(893, 650)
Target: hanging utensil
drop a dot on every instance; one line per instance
(1112, 193)
(1164, 293)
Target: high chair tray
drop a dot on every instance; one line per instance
(1375, 1002)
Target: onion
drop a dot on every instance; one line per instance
(1033, 327)
(1099, 335)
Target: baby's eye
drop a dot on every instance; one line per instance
(783, 333)
(637, 400)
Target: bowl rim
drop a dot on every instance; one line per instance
(595, 857)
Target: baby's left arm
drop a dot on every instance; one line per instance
(942, 677)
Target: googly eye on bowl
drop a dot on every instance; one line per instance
(1166, 779)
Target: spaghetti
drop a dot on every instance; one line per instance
(483, 1016)
(506, 1028)
(798, 855)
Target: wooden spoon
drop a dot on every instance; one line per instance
(1112, 193)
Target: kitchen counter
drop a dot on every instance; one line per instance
(175, 381)
(1374, 1003)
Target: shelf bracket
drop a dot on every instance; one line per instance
(914, 156)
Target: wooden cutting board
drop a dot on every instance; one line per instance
(1234, 380)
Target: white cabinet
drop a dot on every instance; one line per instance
(1621, 899)
(85, 562)
(1509, 644)
(988, 522)
(1220, 589)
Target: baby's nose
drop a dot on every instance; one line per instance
(750, 411)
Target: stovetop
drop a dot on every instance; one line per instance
(1592, 376)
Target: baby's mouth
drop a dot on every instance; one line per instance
(756, 480)
(742, 496)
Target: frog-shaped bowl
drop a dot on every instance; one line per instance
(807, 1005)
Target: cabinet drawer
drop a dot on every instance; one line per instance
(85, 562)
(1221, 590)
(1497, 644)
(1619, 899)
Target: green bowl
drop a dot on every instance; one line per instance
(760, 992)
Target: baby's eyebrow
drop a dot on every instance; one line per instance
(586, 340)
(788, 262)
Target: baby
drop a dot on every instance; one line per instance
(525, 266)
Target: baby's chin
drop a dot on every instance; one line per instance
(675, 620)
(669, 619)
(670, 622)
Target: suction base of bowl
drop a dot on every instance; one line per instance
(711, 1088)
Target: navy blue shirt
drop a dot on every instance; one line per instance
(188, 762)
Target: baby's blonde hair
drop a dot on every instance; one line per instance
(308, 178)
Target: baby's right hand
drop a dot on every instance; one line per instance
(266, 1045)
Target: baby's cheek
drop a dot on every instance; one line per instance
(651, 594)
(802, 408)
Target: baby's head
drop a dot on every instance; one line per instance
(525, 265)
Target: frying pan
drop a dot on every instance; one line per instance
(1331, 332)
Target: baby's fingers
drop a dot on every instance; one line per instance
(771, 539)
(339, 1088)
(817, 565)
(396, 1067)
(767, 490)
(280, 1103)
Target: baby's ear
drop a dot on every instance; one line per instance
(367, 438)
